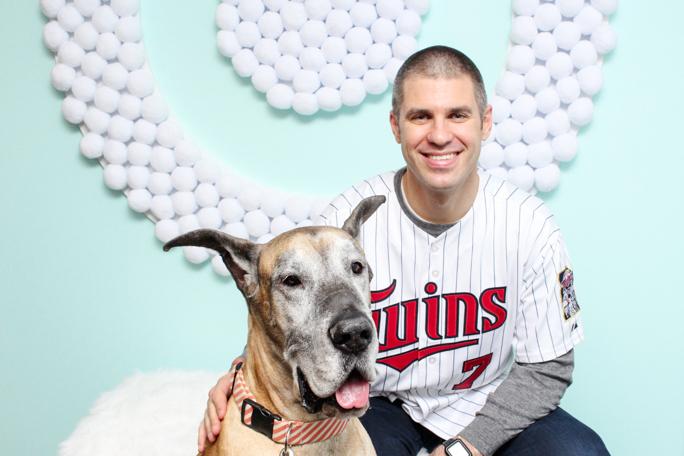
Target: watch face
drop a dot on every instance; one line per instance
(457, 448)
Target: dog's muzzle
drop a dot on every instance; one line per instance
(351, 332)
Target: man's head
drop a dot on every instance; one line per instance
(439, 62)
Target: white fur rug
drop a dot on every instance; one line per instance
(147, 415)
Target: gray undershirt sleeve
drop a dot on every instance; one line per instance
(531, 391)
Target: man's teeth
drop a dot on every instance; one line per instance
(441, 157)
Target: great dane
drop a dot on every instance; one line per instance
(311, 346)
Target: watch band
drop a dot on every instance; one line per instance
(456, 447)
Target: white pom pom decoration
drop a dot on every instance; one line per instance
(308, 55)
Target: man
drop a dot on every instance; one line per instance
(470, 279)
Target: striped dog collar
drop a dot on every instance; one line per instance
(273, 426)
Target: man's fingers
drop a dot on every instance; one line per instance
(219, 395)
(201, 437)
(207, 426)
(213, 420)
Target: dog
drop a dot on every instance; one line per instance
(311, 345)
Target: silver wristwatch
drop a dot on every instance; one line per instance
(456, 447)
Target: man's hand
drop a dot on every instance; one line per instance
(439, 451)
(217, 404)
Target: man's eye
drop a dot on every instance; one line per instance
(357, 267)
(292, 281)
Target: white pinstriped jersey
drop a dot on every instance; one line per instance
(453, 311)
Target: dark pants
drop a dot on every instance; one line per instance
(394, 433)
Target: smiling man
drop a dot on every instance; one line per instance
(471, 288)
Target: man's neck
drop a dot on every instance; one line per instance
(440, 206)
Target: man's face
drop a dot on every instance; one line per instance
(440, 130)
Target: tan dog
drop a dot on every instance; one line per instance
(312, 344)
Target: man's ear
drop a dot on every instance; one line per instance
(394, 123)
(358, 217)
(240, 256)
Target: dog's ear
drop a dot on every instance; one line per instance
(358, 217)
(240, 256)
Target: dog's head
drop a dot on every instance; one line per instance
(308, 292)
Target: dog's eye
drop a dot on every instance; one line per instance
(292, 281)
(357, 267)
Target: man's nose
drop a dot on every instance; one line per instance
(440, 134)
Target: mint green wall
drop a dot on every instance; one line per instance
(87, 297)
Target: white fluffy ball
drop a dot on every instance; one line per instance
(590, 80)
(559, 65)
(96, 120)
(510, 85)
(547, 100)
(227, 17)
(92, 145)
(162, 208)
(352, 92)
(570, 8)
(525, 7)
(534, 130)
(115, 177)
(128, 30)
(138, 176)
(378, 55)
(332, 75)
(245, 63)
(251, 10)
(344, 5)
(547, 17)
(588, 20)
(188, 223)
(273, 204)
(604, 39)
(524, 30)
(264, 78)
(145, 132)
(273, 5)
(227, 43)
(508, 132)
(358, 40)
(207, 170)
(317, 206)
(280, 96)
(154, 109)
(54, 36)
(605, 6)
(281, 224)
(313, 33)
(375, 82)
(354, 65)
(568, 89)
(266, 51)
(131, 56)
(206, 195)
(290, 43)
(257, 223)
(125, 7)
(183, 179)
(139, 154)
(105, 19)
(115, 152)
(130, 106)
(581, 111)
(317, 10)
(162, 159)
(293, 15)
(583, 54)
(120, 128)
(524, 108)
(557, 122)
(209, 217)
(567, 34)
(70, 54)
(522, 177)
(250, 197)
(51, 8)
(329, 99)
(287, 67)
(73, 110)
(312, 59)
(501, 109)
(515, 155)
(334, 49)
(418, 6)
(565, 147)
(184, 203)
(363, 14)
(392, 68)
(236, 229)
(219, 266)
(297, 208)
(86, 36)
(93, 65)
(537, 79)
(383, 31)
(108, 46)
(544, 46)
(69, 18)
(165, 230)
(338, 23)
(229, 186)
(230, 210)
(409, 23)
(140, 83)
(306, 81)
(547, 178)
(390, 9)
(271, 25)
(195, 255)
(62, 77)
(404, 46)
(169, 133)
(247, 34)
(305, 103)
(115, 76)
(520, 59)
(160, 183)
(539, 154)
(491, 156)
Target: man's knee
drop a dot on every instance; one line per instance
(390, 429)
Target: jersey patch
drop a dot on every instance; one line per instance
(567, 291)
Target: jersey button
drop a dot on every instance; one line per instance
(435, 274)
(432, 361)
(434, 248)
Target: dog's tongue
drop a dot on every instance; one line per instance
(353, 393)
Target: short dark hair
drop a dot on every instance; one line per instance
(439, 62)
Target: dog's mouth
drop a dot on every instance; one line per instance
(351, 396)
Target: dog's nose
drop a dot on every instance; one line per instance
(351, 332)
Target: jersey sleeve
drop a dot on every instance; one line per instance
(548, 323)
